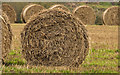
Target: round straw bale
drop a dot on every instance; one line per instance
(111, 16)
(29, 11)
(6, 34)
(59, 6)
(5, 16)
(10, 12)
(86, 14)
(54, 38)
(22, 19)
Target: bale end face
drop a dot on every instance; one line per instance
(86, 14)
(54, 38)
(111, 16)
(29, 11)
(59, 6)
(10, 12)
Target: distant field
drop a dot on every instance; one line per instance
(102, 58)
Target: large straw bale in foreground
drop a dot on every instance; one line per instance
(54, 38)
(5, 29)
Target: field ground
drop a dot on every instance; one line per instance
(102, 58)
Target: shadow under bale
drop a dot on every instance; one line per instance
(6, 35)
(10, 12)
(54, 38)
(30, 10)
(86, 14)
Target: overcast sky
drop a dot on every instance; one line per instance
(60, 0)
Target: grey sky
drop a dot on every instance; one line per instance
(60, 0)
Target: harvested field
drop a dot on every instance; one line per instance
(30, 10)
(58, 6)
(86, 14)
(111, 16)
(102, 58)
(103, 54)
(103, 37)
(10, 12)
(46, 39)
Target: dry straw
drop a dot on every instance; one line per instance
(6, 35)
(111, 16)
(22, 19)
(30, 10)
(59, 6)
(10, 12)
(86, 14)
(54, 38)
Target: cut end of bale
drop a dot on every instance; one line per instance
(59, 6)
(86, 14)
(54, 38)
(22, 19)
(30, 10)
(10, 12)
(111, 16)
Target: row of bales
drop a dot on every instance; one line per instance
(95, 15)
(54, 36)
